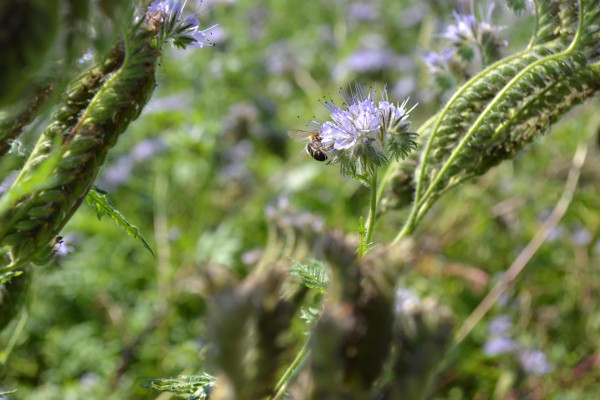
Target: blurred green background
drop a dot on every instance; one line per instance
(208, 167)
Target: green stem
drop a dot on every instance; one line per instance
(283, 382)
(373, 208)
(14, 337)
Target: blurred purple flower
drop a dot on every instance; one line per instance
(286, 216)
(173, 233)
(404, 87)
(258, 19)
(235, 168)
(67, 244)
(281, 58)
(465, 30)
(370, 60)
(499, 345)
(117, 174)
(557, 233)
(89, 380)
(581, 237)
(413, 15)
(253, 256)
(405, 300)
(148, 148)
(87, 56)
(438, 62)
(362, 11)
(535, 362)
(178, 101)
(500, 325)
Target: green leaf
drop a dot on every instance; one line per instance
(98, 199)
(364, 246)
(195, 387)
(516, 5)
(310, 315)
(8, 392)
(314, 275)
(7, 276)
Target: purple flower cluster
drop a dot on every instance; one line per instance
(165, 16)
(438, 62)
(120, 172)
(469, 30)
(363, 133)
(532, 361)
(473, 44)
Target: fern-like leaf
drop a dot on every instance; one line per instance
(103, 206)
(7, 276)
(310, 315)
(191, 387)
(314, 275)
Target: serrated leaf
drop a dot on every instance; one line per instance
(310, 315)
(364, 246)
(103, 206)
(194, 387)
(314, 275)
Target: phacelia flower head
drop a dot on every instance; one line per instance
(438, 62)
(468, 31)
(165, 18)
(364, 133)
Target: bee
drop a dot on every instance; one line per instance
(313, 148)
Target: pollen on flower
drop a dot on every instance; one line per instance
(364, 133)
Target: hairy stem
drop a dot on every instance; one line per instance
(373, 208)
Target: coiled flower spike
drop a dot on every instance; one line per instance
(94, 110)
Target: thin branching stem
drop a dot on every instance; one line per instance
(529, 251)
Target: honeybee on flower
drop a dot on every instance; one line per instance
(314, 147)
(363, 134)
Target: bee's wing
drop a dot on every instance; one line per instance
(299, 136)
